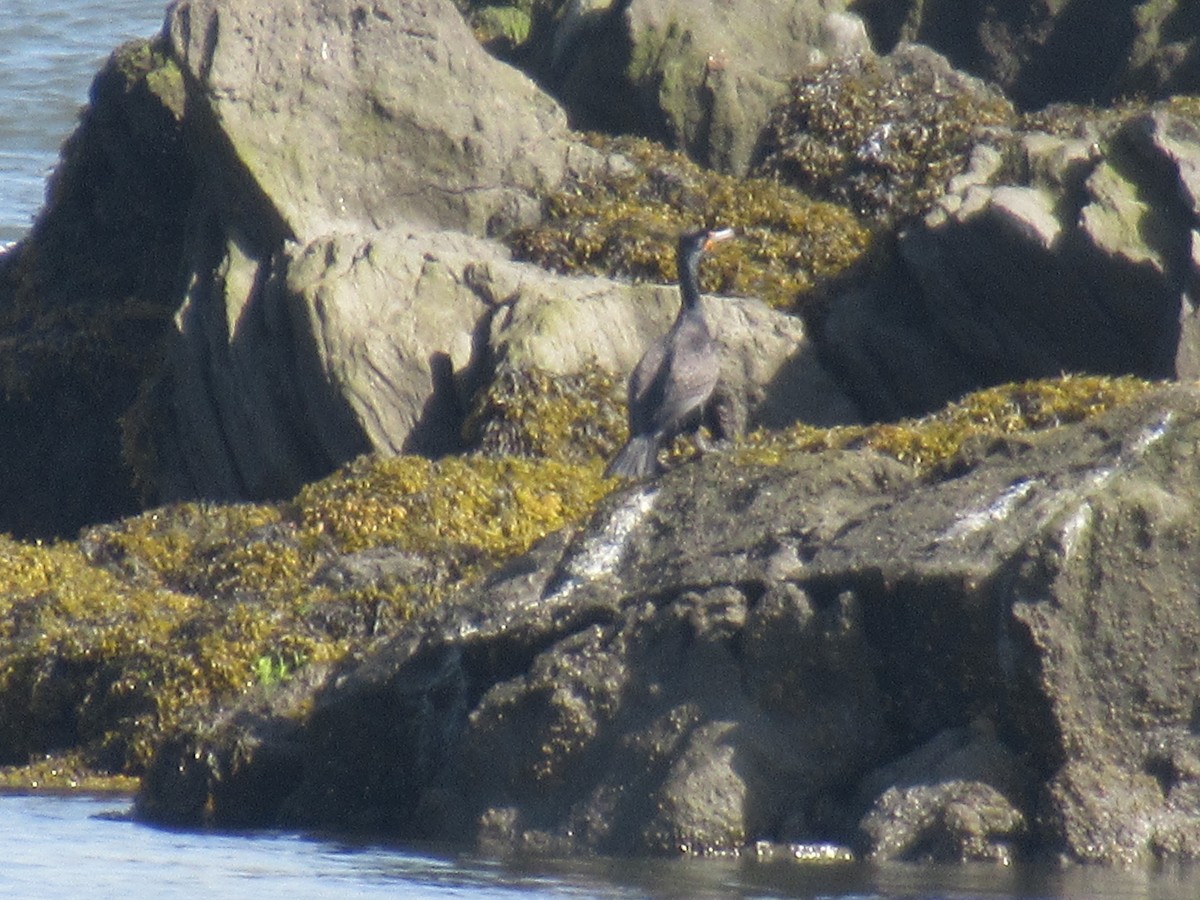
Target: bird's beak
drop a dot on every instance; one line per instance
(719, 235)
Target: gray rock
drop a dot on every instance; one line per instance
(1076, 254)
(768, 365)
(702, 75)
(316, 324)
(377, 343)
(349, 344)
(716, 658)
(347, 117)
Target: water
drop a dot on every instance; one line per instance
(51, 50)
(54, 846)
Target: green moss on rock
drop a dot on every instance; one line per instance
(465, 513)
(110, 642)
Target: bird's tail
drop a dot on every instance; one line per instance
(637, 459)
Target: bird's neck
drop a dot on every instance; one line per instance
(689, 285)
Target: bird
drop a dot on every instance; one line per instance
(675, 377)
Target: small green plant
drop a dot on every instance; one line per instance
(270, 669)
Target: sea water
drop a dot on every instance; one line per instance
(49, 51)
(83, 847)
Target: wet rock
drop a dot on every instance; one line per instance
(994, 660)
(960, 796)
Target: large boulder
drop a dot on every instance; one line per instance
(337, 116)
(701, 76)
(995, 659)
(1066, 249)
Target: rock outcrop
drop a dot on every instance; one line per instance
(702, 76)
(1065, 250)
(346, 117)
(337, 295)
(997, 659)
(355, 344)
(273, 246)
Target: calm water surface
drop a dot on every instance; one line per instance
(83, 847)
(49, 51)
(52, 846)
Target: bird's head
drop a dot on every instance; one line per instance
(693, 243)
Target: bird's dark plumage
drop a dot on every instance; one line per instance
(676, 375)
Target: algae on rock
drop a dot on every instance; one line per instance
(624, 221)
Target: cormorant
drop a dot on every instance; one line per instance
(675, 377)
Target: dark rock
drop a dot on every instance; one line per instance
(959, 796)
(717, 657)
(84, 300)
(1042, 52)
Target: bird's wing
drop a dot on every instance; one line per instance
(645, 388)
(685, 381)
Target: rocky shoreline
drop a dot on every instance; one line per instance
(314, 358)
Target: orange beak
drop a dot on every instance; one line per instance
(717, 235)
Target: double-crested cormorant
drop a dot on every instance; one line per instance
(676, 375)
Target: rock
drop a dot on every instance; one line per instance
(1046, 52)
(82, 300)
(957, 797)
(358, 344)
(718, 656)
(349, 117)
(304, 337)
(768, 364)
(1082, 262)
(293, 356)
(702, 76)
(349, 344)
